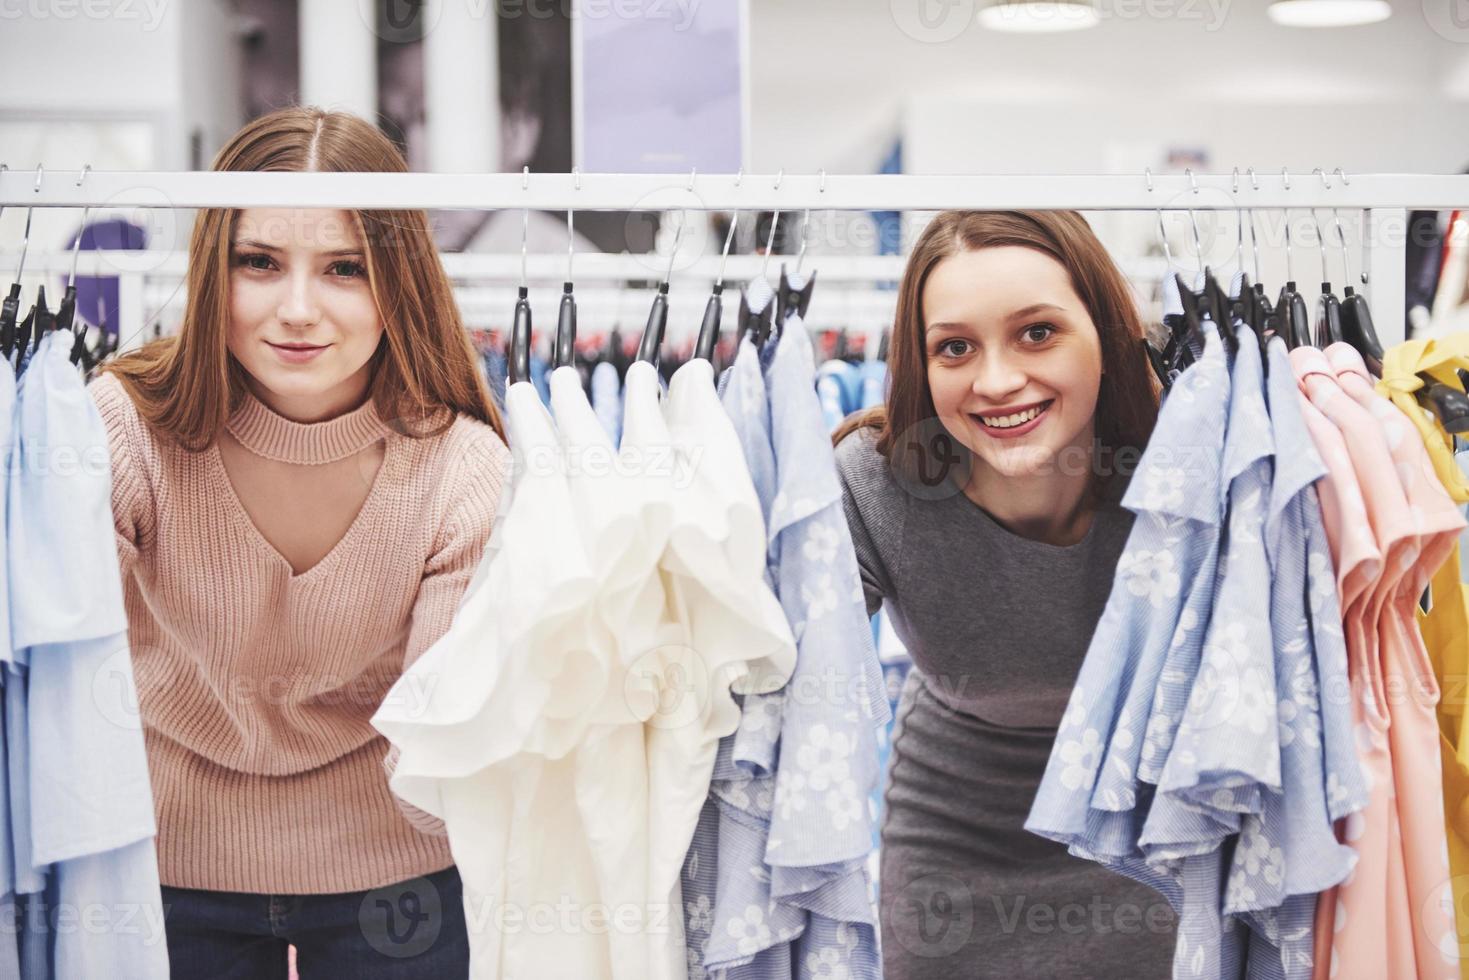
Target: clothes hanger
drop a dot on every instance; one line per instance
(756, 323)
(713, 310)
(564, 353)
(10, 308)
(1356, 317)
(518, 356)
(1209, 302)
(1328, 307)
(788, 299)
(652, 341)
(66, 312)
(1173, 322)
(1265, 312)
(1290, 306)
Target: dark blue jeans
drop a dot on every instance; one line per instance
(409, 930)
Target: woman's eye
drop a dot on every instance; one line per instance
(347, 269)
(954, 347)
(254, 260)
(1039, 333)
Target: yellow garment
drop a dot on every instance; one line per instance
(1446, 625)
(1438, 358)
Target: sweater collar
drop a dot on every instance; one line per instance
(268, 434)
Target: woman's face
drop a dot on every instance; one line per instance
(1014, 360)
(303, 322)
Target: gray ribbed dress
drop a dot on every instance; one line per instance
(997, 626)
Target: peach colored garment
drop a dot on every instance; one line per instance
(1376, 893)
(1445, 627)
(1417, 745)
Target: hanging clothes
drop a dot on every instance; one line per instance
(1389, 868)
(607, 399)
(573, 753)
(793, 893)
(87, 806)
(1445, 627)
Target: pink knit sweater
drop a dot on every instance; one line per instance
(256, 685)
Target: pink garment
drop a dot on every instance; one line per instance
(1361, 952)
(1389, 918)
(1417, 742)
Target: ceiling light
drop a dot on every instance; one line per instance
(1328, 13)
(1039, 16)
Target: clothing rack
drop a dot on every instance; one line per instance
(1384, 198)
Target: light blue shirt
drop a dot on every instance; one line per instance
(607, 399)
(792, 896)
(90, 805)
(1151, 628)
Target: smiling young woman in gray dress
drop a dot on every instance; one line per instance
(983, 502)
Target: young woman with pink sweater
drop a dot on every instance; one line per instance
(304, 479)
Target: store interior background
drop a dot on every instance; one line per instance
(848, 86)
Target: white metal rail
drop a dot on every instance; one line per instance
(1384, 197)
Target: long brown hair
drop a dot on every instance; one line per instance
(187, 385)
(909, 433)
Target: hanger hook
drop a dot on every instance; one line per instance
(1325, 181)
(1162, 233)
(739, 176)
(77, 245)
(821, 186)
(524, 236)
(1234, 180)
(801, 252)
(525, 177)
(683, 219)
(1194, 219)
(1254, 183)
(40, 172)
(769, 243)
(779, 177)
(25, 242)
(1340, 173)
(694, 171)
(1321, 243)
(1290, 272)
(1285, 174)
(1254, 244)
(570, 242)
(1346, 268)
(728, 239)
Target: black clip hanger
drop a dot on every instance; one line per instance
(714, 309)
(790, 301)
(564, 353)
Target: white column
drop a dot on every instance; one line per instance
(1387, 272)
(461, 83)
(339, 56)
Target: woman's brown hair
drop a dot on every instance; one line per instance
(187, 385)
(910, 435)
